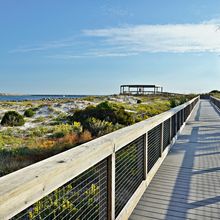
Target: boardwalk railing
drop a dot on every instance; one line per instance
(101, 179)
(215, 101)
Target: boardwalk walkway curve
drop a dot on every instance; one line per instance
(187, 185)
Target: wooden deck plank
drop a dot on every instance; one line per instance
(180, 208)
(187, 185)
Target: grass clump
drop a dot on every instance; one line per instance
(39, 131)
(64, 129)
(39, 119)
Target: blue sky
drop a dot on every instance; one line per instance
(91, 47)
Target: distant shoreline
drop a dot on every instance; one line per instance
(9, 94)
(38, 97)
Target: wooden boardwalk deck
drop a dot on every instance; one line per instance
(187, 185)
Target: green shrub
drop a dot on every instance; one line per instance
(179, 100)
(64, 129)
(12, 118)
(173, 103)
(29, 113)
(182, 100)
(99, 128)
(104, 112)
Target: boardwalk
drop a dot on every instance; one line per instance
(187, 185)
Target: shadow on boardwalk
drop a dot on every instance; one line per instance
(187, 185)
(203, 141)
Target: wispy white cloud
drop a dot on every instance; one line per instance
(45, 46)
(179, 38)
(134, 40)
(91, 55)
(64, 56)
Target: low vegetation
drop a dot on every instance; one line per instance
(29, 113)
(215, 93)
(43, 130)
(12, 118)
(103, 118)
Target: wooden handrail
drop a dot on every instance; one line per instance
(24, 187)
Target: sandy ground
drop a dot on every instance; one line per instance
(47, 112)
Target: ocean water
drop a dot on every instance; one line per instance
(38, 97)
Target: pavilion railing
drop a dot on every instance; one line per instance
(101, 179)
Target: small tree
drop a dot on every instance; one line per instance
(12, 119)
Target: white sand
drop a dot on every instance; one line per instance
(48, 112)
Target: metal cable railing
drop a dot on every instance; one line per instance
(173, 128)
(154, 146)
(178, 120)
(186, 112)
(84, 197)
(182, 117)
(129, 172)
(166, 134)
(103, 191)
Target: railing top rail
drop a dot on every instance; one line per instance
(24, 187)
(214, 98)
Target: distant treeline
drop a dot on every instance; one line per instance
(215, 91)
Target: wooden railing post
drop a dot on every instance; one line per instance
(111, 187)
